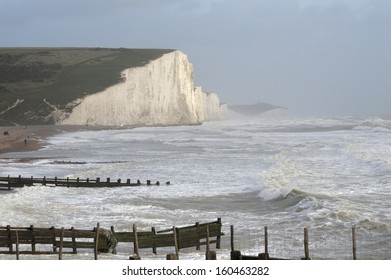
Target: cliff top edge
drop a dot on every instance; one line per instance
(34, 77)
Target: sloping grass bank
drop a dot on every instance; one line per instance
(59, 76)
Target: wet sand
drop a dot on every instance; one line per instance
(29, 138)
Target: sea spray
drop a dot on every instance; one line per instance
(328, 175)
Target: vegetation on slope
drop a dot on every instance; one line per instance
(35, 82)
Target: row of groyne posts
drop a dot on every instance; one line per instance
(237, 255)
(48, 241)
(70, 241)
(7, 183)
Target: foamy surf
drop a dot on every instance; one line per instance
(286, 174)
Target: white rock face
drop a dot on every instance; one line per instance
(159, 93)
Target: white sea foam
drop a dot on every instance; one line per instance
(286, 174)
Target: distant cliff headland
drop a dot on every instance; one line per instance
(84, 86)
(259, 109)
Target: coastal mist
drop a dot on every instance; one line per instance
(325, 174)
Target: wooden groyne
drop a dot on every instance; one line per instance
(60, 239)
(67, 241)
(48, 241)
(7, 183)
(237, 255)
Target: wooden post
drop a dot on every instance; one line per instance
(175, 242)
(17, 244)
(128, 181)
(207, 244)
(354, 243)
(32, 239)
(153, 245)
(44, 181)
(108, 180)
(9, 182)
(218, 241)
(115, 248)
(178, 238)
(135, 247)
(171, 257)
(77, 181)
(235, 255)
(306, 247)
(148, 182)
(266, 244)
(54, 238)
(74, 245)
(61, 244)
(98, 180)
(96, 242)
(232, 238)
(198, 242)
(67, 182)
(176, 255)
(210, 255)
(10, 244)
(136, 255)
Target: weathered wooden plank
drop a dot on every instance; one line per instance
(29, 253)
(103, 240)
(29, 235)
(80, 245)
(214, 231)
(129, 237)
(159, 240)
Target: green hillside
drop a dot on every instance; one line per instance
(35, 80)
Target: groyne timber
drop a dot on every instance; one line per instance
(8, 183)
(60, 242)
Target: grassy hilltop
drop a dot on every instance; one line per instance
(35, 82)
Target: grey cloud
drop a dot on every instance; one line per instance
(294, 53)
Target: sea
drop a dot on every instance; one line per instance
(326, 174)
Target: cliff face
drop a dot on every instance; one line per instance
(160, 93)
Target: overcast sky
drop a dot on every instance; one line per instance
(318, 57)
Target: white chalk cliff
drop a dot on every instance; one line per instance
(159, 93)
